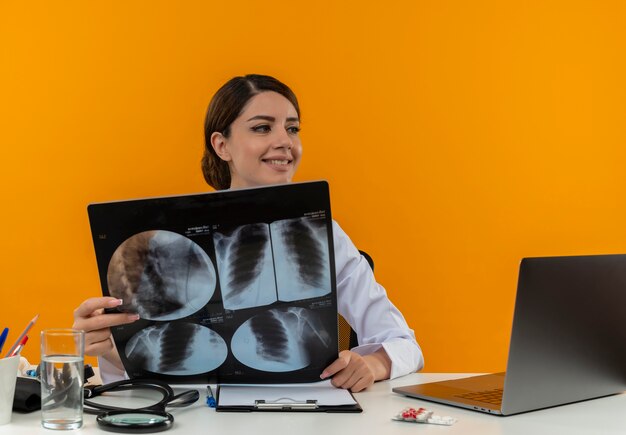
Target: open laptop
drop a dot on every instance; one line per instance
(568, 341)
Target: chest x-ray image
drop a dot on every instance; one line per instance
(260, 263)
(161, 275)
(244, 262)
(176, 349)
(301, 260)
(281, 339)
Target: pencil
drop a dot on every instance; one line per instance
(21, 337)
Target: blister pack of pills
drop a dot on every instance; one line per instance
(423, 415)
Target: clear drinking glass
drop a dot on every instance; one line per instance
(62, 378)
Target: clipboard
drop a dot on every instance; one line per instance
(317, 397)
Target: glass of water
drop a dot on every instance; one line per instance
(62, 373)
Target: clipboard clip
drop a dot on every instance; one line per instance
(285, 404)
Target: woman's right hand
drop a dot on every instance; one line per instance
(91, 318)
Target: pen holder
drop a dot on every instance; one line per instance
(8, 378)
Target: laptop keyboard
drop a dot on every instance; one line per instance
(493, 397)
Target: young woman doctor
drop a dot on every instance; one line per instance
(252, 139)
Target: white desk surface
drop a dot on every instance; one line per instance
(598, 417)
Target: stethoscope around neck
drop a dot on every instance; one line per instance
(146, 419)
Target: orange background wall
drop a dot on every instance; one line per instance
(457, 137)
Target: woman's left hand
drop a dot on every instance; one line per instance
(355, 372)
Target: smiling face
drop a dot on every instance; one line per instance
(263, 145)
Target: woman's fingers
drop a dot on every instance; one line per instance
(362, 384)
(97, 336)
(339, 364)
(350, 371)
(102, 321)
(95, 305)
(91, 318)
(97, 348)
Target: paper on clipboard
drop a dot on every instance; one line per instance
(324, 393)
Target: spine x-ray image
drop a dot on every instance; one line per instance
(244, 262)
(301, 258)
(281, 340)
(161, 275)
(176, 349)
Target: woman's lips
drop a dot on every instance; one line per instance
(278, 164)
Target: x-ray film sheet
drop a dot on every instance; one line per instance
(235, 286)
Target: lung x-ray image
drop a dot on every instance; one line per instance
(244, 262)
(260, 263)
(281, 339)
(176, 349)
(301, 258)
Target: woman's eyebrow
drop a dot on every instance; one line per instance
(272, 119)
(262, 117)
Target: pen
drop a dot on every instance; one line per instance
(3, 337)
(210, 400)
(22, 335)
(19, 347)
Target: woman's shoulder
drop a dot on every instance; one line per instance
(347, 256)
(340, 237)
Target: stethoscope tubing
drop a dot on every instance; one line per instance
(168, 399)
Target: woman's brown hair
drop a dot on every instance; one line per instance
(225, 106)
